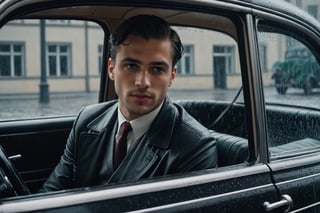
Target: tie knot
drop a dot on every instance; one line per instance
(125, 128)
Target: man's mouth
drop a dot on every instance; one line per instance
(141, 96)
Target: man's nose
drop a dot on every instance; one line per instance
(143, 79)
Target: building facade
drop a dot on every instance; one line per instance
(67, 56)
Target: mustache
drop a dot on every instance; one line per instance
(141, 92)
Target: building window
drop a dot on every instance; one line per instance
(11, 60)
(224, 55)
(59, 60)
(186, 64)
(100, 53)
(313, 10)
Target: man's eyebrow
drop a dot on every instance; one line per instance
(159, 63)
(154, 63)
(132, 60)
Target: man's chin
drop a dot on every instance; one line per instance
(141, 110)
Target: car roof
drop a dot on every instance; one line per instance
(264, 7)
(285, 8)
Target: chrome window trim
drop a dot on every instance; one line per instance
(256, 93)
(306, 207)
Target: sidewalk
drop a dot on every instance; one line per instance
(52, 96)
(28, 106)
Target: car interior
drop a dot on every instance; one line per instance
(34, 169)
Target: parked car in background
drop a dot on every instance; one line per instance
(53, 61)
(299, 70)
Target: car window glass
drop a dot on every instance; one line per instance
(209, 72)
(49, 67)
(291, 76)
(53, 67)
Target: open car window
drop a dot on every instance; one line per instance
(52, 68)
(291, 77)
(209, 78)
(209, 68)
(49, 67)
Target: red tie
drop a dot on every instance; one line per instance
(120, 150)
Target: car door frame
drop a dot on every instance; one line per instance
(225, 188)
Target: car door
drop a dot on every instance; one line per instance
(209, 31)
(292, 114)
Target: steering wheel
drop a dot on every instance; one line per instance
(11, 183)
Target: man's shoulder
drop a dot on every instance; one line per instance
(189, 125)
(91, 112)
(96, 109)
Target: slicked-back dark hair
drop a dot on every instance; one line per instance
(147, 27)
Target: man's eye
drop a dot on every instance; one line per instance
(157, 69)
(131, 66)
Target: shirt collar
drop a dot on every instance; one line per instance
(140, 125)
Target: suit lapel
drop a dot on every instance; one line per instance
(135, 164)
(89, 151)
(161, 131)
(145, 154)
(95, 148)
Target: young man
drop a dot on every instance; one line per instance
(161, 138)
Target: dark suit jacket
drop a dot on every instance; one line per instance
(175, 143)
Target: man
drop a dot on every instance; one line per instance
(162, 137)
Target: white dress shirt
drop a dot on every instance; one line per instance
(139, 126)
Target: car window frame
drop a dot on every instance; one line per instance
(311, 40)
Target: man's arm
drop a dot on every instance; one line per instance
(63, 175)
(203, 155)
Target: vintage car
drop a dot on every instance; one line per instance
(299, 70)
(53, 61)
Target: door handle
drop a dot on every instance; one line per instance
(15, 157)
(286, 203)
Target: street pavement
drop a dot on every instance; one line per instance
(18, 107)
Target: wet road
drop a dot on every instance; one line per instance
(17, 107)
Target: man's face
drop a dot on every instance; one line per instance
(142, 73)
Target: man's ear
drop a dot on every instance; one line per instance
(173, 73)
(111, 69)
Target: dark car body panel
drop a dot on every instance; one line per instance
(201, 196)
(40, 144)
